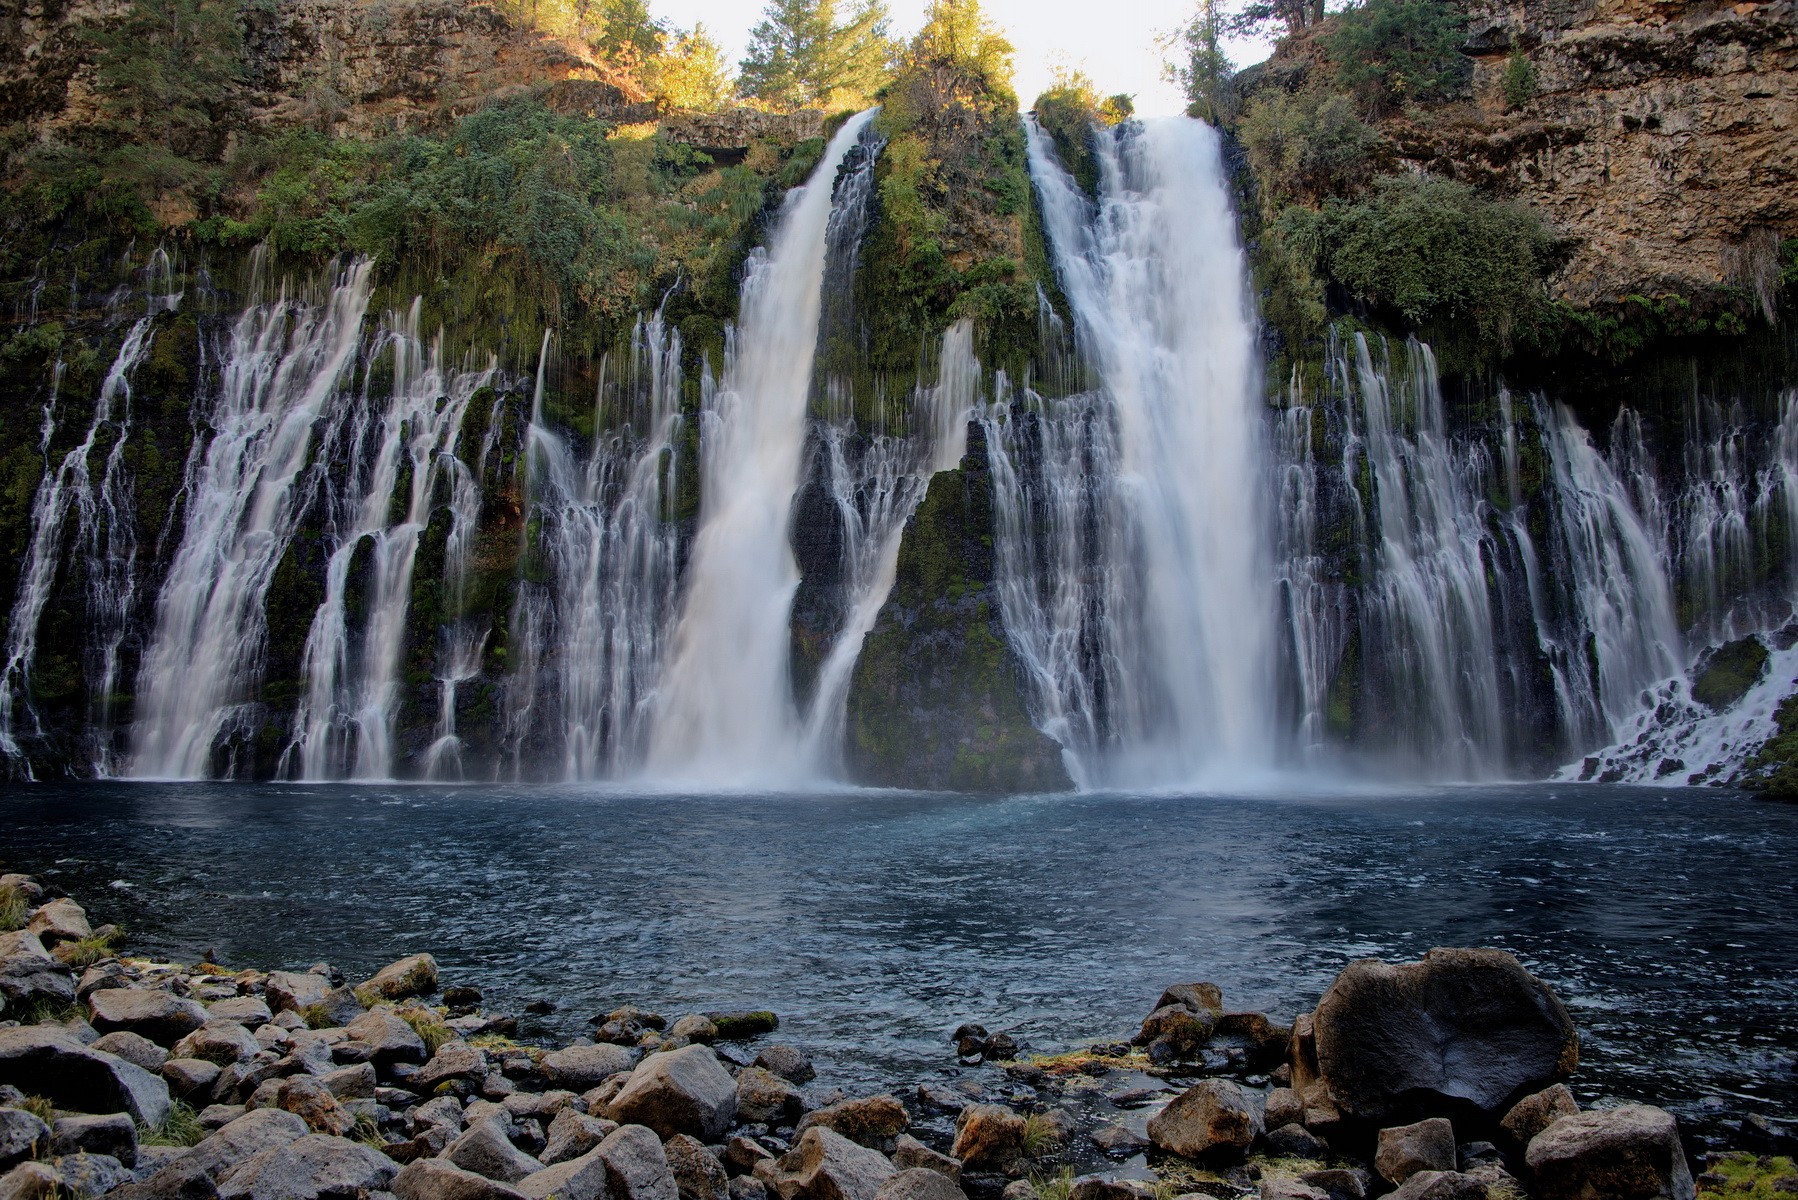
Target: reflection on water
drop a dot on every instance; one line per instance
(874, 922)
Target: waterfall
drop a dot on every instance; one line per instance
(104, 539)
(282, 369)
(1158, 670)
(345, 722)
(726, 712)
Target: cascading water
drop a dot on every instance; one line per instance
(282, 370)
(345, 722)
(726, 712)
(1159, 670)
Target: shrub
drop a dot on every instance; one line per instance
(1068, 113)
(1390, 53)
(1307, 146)
(1519, 80)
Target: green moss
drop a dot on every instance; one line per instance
(1748, 1177)
(1728, 673)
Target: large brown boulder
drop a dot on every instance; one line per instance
(1628, 1153)
(1213, 1120)
(681, 1091)
(989, 1137)
(874, 1121)
(163, 1018)
(825, 1165)
(1461, 1032)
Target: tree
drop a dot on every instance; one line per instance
(799, 53)
(958, 34)
(628, 35)
(1257, 17)
(1205, 73)
(691, 73)
(1390, 53)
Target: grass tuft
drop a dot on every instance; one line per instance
(1054, 1187)
(14, 912)
(181, 1127)
(45, 1011)
(368, 995)
(86, 952)
(1042, 1136)
(41, 1107)
(429, 1027)
(317, 1016)
(368, 1131)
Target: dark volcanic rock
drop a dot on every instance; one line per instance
(1404, 1150)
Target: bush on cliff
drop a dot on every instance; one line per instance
(1391, 53)
(1069, 112)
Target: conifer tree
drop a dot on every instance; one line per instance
(800, 53)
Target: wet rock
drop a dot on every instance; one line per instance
(636, 1166)
(414, 975)
(1404, 1150)
(133, 1048)
(335, 1008)
(22, 1136)
(909, 1152)
(1177, 1027)
(741, 1026)
(463, 996)
(681, 1091)
(42, 1062)
(1293, 1140)
(788, 1062)
(580, 1068)
(1536, 1112)
(486, 1150)
(114, 1134)
(766, 1098)
(31, 1181)
(572, 1134)
(389, 1040)
(1214, 1119)
(434, 1179)
(825, 1165)
(308, 1168)
(85, 1174)
(248, 1011)
(582, 1178)
(217, 1041)
(1197, 997)
(873, 1121)
(1262, 1041)
(59, 921)
(310, 1100)
(190, 1076)
(159, 1016)
(1627, 1153)
(1118, 1141)
(920, 1183)
(697, 1173)
(694, 1029)
(989, 1138)
(1342, 1183)
(1001, 1047)
(1462, 1029)
(294, 990)
(1440, 1185)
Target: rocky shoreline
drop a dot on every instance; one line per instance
(1443, 1079)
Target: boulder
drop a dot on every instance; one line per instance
(825, 1165)
(746, 1187)
(414, 975)
(583, 1178)
(1404, 1150)
(767, 1098)
(86, 1174)
(22, 1135)
(1181, 1030)
(791, 1064)
(454, 1060)
(294, 990)
(572, 1134)
(989, 1138)
(1110, 1187)
(59, 921)
(636, 1166)
(351, 1083)
(874, 1121)
(486, 1150)
(1119, 1141)
(308, 1168)
(31, 1181)
(741, 1154)
(434, 1179)
(249, 1011)
(28, 974)
(1461, 1030)
(114, 1135)
(1536, 1112)
(1628, 1153)
(389, 1040)
(1341, 1183)
(217, 1041)
(159, 1016)
(190, 1076)
(45, 1062)
(337, 1007)
(909, 1152)
(1214, 1119)
(694, 1028)
(236, 1142)
(681, 1091)
(1442, 1185)
(579, 1068)
(1198, 997)
(312, 1102)
(1283, 1107)
(1284, 1187)
(1294, 1141)
(740, 1026)
(920, 1183)
(133, 1048)
(698, 1174)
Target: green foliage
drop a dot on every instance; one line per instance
(1068, 113)
(958, 34)
(691, 73)
(1750, 1177)
(800, 54)
(428, 1025)
(1307, 146)
(1202, 70)
(181, 1127)
(14, 911)
(1519, 81)
(1729, 672)
(1390, 53)
(1437, 254)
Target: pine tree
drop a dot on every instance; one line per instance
(957, 33)
(799, 53)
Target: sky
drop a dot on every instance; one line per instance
(1113, 41)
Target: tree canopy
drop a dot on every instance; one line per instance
(801, 53)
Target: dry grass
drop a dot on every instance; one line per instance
(181, 1127)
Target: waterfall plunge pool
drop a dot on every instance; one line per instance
(875, 922)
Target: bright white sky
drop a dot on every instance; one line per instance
(1114, 41)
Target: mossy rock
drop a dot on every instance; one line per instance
(1729, 672)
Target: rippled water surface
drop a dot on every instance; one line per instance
(874, 922)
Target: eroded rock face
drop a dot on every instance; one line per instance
(1460, 1031)
(1628, 1153)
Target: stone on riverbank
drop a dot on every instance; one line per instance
(1214, 1120)
(697, 1172)
(308, 1168)
(572, 1134)
(158, 1016)
(636, 1166)
(22, 1135)
(582, 1178)
(1627, 1153)
(579, 1068)
(920, 1183)
(217, 1041)
(767, 1099)
(43, 1061)
(113, 1134)
(1536, 1112)
(59, 921)
(28, 973)
(873, 1121)
(486, 1150)
(133, 1048)
(434, 1179)
(291, 991)
(989, 1138)
(414, 975)
(679, 1091)
(825, 1165)
(1404, 1150)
